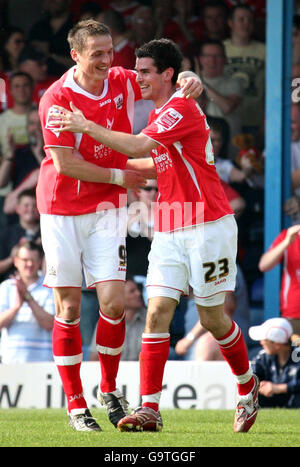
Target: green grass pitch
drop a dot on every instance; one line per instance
(182, 428)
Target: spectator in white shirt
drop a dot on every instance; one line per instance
(26, 310)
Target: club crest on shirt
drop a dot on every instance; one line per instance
(168, 120)
(119, 101)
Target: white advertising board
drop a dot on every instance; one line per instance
(205, 385)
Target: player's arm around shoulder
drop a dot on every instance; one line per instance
(190, 83)
(134, 146)
(75, 121)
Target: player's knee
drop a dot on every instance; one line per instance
(158, 318)
(67, 303)
(207, 323)
(212, 318)
(68, 311)
(113, 308)
(216, 324)
(211, 322)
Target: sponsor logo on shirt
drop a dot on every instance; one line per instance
(100, 150)
(168, 119)
(119, 101)
(162, 161)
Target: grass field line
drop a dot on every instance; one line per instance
(182, 428)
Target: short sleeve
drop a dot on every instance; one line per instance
(174, 123)
(46, 109)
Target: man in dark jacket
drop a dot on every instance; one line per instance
(278, 364)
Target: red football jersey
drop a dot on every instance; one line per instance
(190, 190)
(114, 109)
(290, 282)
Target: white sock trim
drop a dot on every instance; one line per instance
(66, 321)
(112, 321)
(109, 350)
(161, 335)
(153, 398)
(68, 360)
(77, 411)
(230, 338)
(242, 379)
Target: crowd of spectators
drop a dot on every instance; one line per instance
(222, 41)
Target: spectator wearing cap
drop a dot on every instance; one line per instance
(277, 365)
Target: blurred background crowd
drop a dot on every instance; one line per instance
(224, 43)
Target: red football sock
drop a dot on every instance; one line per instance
(109, 339)
(234, 350)
(153, 357)
(67, 352)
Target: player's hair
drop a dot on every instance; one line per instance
(165, 54)
(87, 28)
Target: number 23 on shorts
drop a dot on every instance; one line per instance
(215, 271)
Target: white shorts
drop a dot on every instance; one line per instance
(203, 257)
(93, 244)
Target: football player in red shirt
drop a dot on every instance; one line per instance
(81, 196)
(195, 238)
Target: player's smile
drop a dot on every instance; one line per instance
(102, 69)
(144, 88)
